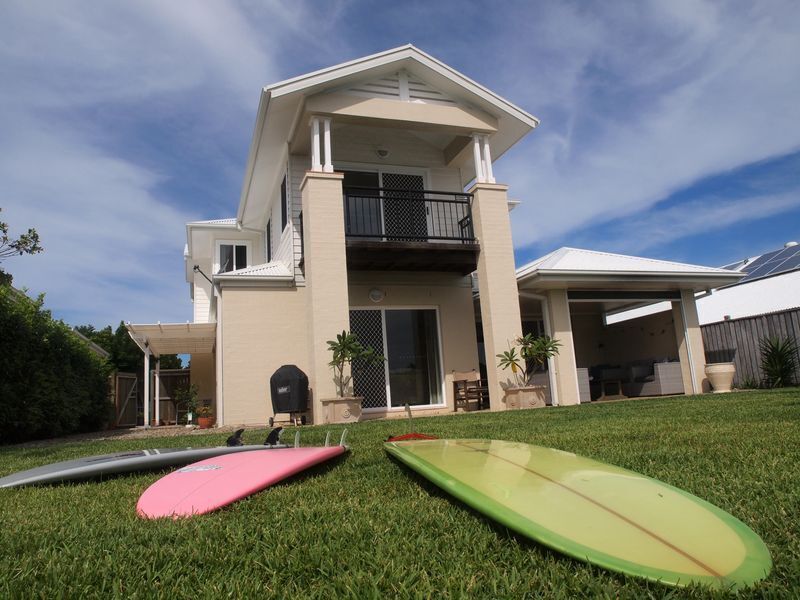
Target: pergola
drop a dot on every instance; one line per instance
(169, 338)
(616, 283)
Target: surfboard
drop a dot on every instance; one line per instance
(210, 484)
(593, 511)
(90, 467)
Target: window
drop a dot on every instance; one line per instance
(231, 256)
(284, 205)
(269, 240)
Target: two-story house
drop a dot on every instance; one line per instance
(368, 203)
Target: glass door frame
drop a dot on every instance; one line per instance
(440, 350)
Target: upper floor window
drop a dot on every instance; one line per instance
(284, 205)
(269, 240)
(232, 256)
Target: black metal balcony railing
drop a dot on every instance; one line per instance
(382, 214)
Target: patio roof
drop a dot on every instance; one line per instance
(174, 338)
(575, 268)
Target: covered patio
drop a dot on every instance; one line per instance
(580, 297)
(197, 339)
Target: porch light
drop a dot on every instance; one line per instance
(376, 295)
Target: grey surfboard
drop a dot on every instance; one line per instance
(90, 467)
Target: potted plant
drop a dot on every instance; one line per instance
(186, 399)
(533, 353)
(347, 353)
(205, 416)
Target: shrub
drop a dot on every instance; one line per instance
(778, 361)
(50, 382)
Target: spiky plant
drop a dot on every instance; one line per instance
(778, 361)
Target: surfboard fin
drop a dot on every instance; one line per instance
(344, 435)
(296, 439)
(235, 439)
(274, 437)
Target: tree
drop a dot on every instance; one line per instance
(27, 243)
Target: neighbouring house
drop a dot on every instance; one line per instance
(354, 216)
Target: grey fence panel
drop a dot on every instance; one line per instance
(738, 341)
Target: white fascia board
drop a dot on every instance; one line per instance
(252, 155)
(254, 281)
(714, 279)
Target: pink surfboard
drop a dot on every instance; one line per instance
(213, 483)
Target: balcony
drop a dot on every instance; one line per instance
(409, 230)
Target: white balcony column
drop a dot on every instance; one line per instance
(487, 160)
(157, 406)
(316, 163)
(328, 168)
(476, 155)
(147, 387)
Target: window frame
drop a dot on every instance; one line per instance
(218, 247)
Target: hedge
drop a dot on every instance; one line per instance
(51, 384)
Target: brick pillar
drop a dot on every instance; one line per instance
(326, 277)
(564, 365)
(497, 281)
(690, 344)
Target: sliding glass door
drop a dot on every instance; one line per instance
(409, 340)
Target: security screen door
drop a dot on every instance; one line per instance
(398, 213)
(411, 373)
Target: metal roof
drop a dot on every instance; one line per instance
(565, 260)
(270, 270)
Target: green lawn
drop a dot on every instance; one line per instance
(367, 528)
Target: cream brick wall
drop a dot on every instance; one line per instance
(262, 329)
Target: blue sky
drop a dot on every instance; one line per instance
(669, 129)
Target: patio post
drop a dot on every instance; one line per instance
(157, 405)
(565, 366)
(146, 386)
(690, 344)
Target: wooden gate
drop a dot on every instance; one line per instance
(127, 399)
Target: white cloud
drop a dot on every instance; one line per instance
(704, 215)
(646, 100)
(84, 84)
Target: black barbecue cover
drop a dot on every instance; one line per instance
(289, 389)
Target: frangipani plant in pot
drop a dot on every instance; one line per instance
(347, 353)
(524, 363)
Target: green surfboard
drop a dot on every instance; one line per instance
(595, 512)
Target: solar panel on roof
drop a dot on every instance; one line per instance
(773, 263)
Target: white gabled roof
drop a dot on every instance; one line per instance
(275, 270)
(566, 260)
(312, 82)
(574, 268)
(281, 106)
